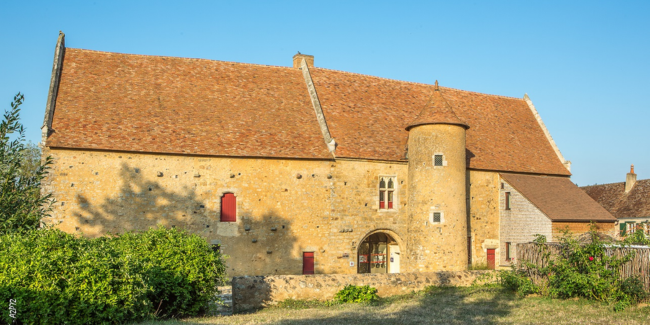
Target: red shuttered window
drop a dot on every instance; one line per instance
(228, 208)
(308, 263)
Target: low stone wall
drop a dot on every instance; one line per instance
(253, 292)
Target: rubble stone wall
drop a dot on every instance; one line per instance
(253, 292)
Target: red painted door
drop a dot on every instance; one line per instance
(228, 208)
(308, 263)
(491, 259)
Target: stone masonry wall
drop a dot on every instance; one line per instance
(483, 209)
(520, 223)
(437, 245)
(253, 292)
(578, 228)
(284, 207)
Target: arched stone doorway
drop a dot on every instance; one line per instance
(378, 253)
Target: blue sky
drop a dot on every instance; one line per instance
(585, 64)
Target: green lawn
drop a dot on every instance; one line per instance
(440, 306)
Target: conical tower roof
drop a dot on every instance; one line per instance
(437, 111)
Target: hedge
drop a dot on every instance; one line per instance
(59, 278)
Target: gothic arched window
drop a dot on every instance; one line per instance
(386, 192)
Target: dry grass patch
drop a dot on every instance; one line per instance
(437, 306)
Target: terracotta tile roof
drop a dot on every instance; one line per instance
(612, 197)
(368, 117)
(437, 111)
(189, 106)
(558, 198)
(193, 106)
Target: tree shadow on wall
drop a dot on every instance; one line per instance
(258, 244)
(138, 205)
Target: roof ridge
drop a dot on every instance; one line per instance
(183, 58)
(603, 184)
(417, 83)
(640, 180)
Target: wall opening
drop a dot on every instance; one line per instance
(308, 263)
(378, 253)
(491, 258)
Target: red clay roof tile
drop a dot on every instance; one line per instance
(558, 198)
(126, 102)
(437, 111)
(189, 106)
(368, 117)
(612, 197)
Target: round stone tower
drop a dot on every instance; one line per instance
(437, 238)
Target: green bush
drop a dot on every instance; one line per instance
(637, 238)
(517, 281)
(352, 293)
(22, 205)
(58, 278)
(585, 270)
(579, 271)
(633, 288)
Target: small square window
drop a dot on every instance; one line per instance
(437, 217)
(437, 160)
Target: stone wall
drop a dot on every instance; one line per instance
(578, 228)
(284, 207)
(520, 223)
(252, 292)
(483, 201)
(442, 245)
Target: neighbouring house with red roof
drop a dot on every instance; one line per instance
(301, 169)
(628, 201)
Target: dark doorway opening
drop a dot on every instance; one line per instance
(378, 253)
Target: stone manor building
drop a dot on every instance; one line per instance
(301, 169)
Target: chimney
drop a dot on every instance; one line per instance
(297, 59)
(630, 180)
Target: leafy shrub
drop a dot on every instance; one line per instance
(585, 270)
(580, 270)
(59, 278)
(637, 238)
(518, 281)
(633, 288)
(352, 293)
(21, 204)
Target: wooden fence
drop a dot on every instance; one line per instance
(639, 265)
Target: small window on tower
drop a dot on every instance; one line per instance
(386, 192)
(437, 160)
(437, 217)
